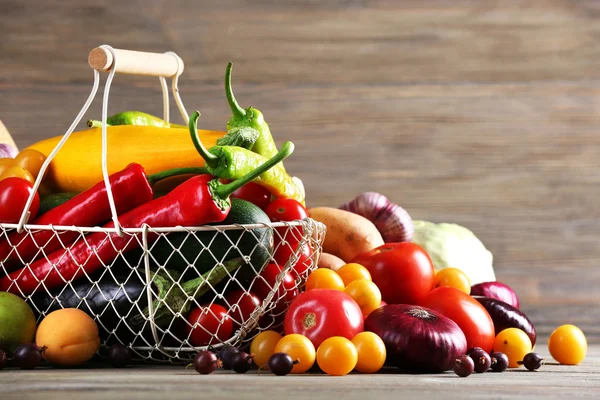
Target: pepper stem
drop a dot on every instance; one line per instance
(233, 104)
(159, 176)
(223, 191)
(210, 159)
(93, 123)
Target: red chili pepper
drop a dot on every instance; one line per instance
(198, 201)
(130, 188)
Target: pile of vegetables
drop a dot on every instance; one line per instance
(386, 291)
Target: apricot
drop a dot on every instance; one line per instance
(70, 337)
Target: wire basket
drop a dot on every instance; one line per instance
(143, 298)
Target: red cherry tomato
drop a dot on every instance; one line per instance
(209, 325)
(14, 193)
(304, 255)
(241, 305)
(472, 318)
(254, 193)
(320, 314)
(402, 271)
(285, 210)
(265, 282)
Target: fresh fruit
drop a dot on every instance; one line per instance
(208, 325)
(241, 305)
(532, 361)
(323, 278)
(337, 356)
(514, 343)
(464, 366)
(241, 362)
(266, 282)
(352, 271)
(481, 360)
(371, 352)
(280, 364)
(27, 356)
(119, 356)
(403, 272)
(320, 314)
(226, 356)
(496, 290)
(14, 193)
(3, 359)
(263, 346)
(499, 361)
(471, 317)
(452, 277)
(365, 293)
(567, 345)
(205, 362)
(505, 316)
(285, 210)
(31, 160)
(17, 322)
(18, 172)
(70, 337)
(299, 348)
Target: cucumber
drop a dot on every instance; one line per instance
(205, 249)
(50, 201)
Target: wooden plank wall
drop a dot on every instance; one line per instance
(484, 113)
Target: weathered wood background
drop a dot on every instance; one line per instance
(484, 113)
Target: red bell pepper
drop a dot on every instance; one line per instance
(198, 201)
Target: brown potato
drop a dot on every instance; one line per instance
(348, 234)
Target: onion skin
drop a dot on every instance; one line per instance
(417, 339)
(496, 290)
(8, 151)
(506, 316)
(392, 221)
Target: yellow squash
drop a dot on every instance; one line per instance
(78, 164)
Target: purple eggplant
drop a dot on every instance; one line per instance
(506, 316)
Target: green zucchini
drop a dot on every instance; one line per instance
(50, 201)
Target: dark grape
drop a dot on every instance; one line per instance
(205, 362)
(3, 359)
(464, 366)
(472, 349)
(226, 355)
(118, 355)
(481, 359)
(532, 361)
(27, 356)
(241, 362)
(499, 361)
(280, 364)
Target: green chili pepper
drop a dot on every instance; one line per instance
(241, 137)
(250, 117)
(232, 162)
(133, 118)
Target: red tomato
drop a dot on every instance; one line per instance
(472, 318)
(284, 252)
(322, 313)
(285, 210)
(402, 271)
(14, 193)
(265, 282)
(254, 193)
(241, 305)
(209, 325)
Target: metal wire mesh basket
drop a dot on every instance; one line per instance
(143, 297)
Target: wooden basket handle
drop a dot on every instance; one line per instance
(135, 62)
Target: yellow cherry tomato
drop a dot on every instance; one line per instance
(324, 278)
(366, 294)
(452, 277)
(337, 356)
(514, 343)
(371, 352)
(6, 163)
(567, 345)
(353, 271)
(263, 346)
(31, 160)
(18, 172)
(299, 348)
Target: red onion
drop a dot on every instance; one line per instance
(392, 221)
(417, 339)
(506, 316)
(8, 151)
(496, 290)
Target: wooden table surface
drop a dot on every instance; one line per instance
(552, 381)
(482, 113)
